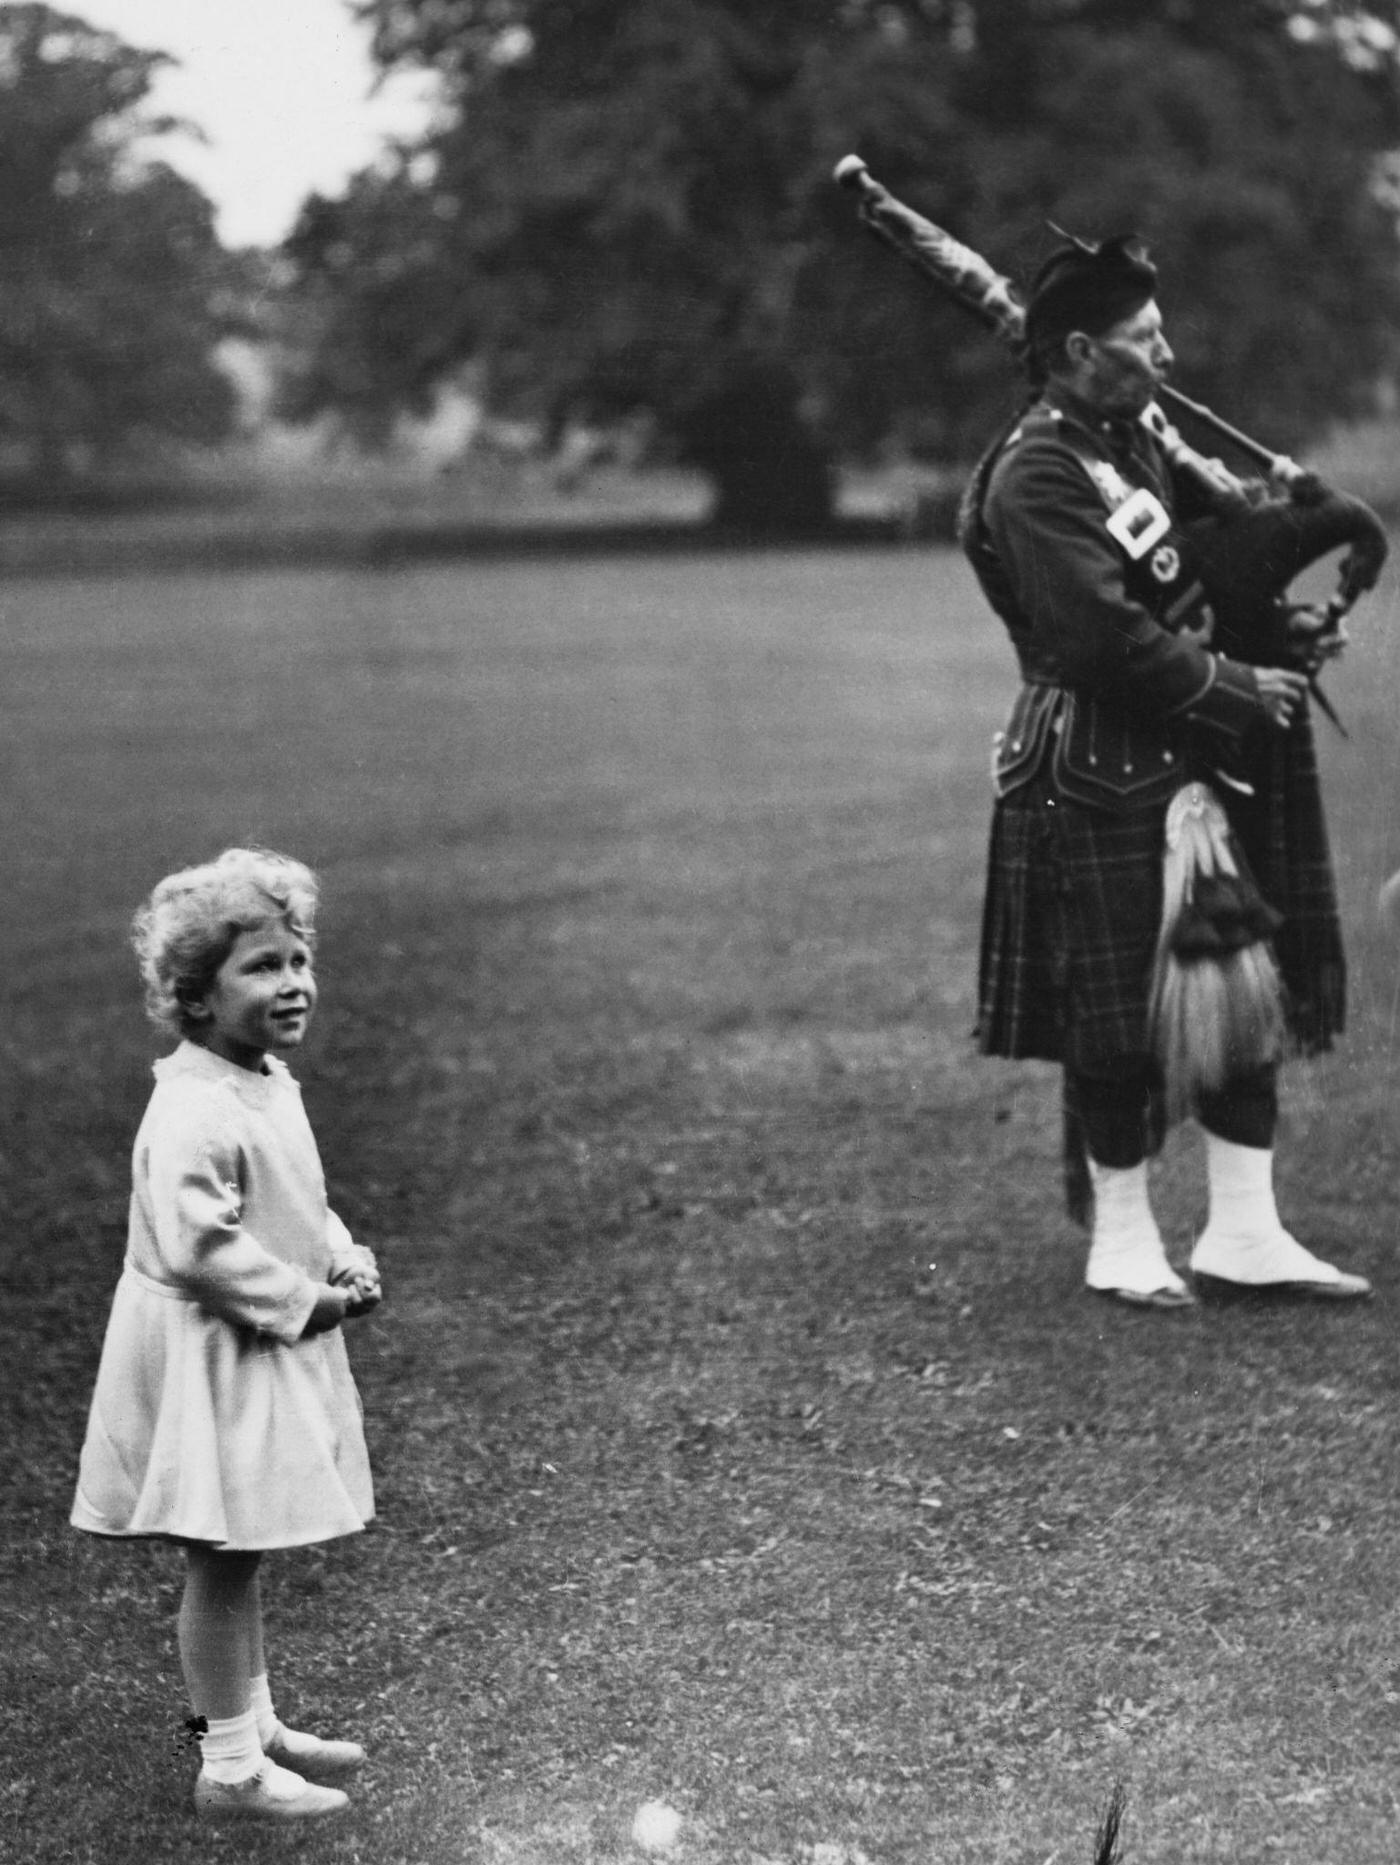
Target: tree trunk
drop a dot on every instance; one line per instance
(773, 477)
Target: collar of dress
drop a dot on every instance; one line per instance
(257, 1089)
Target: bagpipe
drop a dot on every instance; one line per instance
(1217, 993)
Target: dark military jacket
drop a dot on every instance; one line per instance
(1071, 524)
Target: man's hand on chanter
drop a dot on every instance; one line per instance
(1282, 693)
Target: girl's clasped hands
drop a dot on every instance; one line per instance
(360, 1280)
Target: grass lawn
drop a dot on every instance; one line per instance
(743, 1436)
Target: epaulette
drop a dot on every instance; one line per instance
(1036, 420)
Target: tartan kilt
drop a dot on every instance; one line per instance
(1069, 930)
(1283, 832)
(1074, 901)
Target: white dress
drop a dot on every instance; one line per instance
(213, 1420)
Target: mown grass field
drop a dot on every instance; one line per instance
(743, 1436)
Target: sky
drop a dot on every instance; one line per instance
(280, 88)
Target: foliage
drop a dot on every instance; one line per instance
(632, 206)
(113, 286)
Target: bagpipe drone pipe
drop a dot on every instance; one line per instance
(1218, 993)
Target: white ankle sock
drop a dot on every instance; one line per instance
(263, 1710)
(230, 1749)
(1241, 1178)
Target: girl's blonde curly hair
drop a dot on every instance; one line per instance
(187, 928)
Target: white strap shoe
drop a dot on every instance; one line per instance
(272, 1793)
(311, 1755)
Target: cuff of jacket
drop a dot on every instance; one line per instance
(1228, 702)
(287, 1322)
(280, 1317)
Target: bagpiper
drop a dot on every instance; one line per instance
(1080, 529)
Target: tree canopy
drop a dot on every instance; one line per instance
(631, 207)
(113, 285)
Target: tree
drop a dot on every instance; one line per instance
(113, 285)
(631, 207)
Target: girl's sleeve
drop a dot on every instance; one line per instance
(345, 1252)
(197, 1207)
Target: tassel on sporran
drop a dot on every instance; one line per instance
(1217, 997)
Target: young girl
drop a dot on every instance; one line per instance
(225, 1416)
